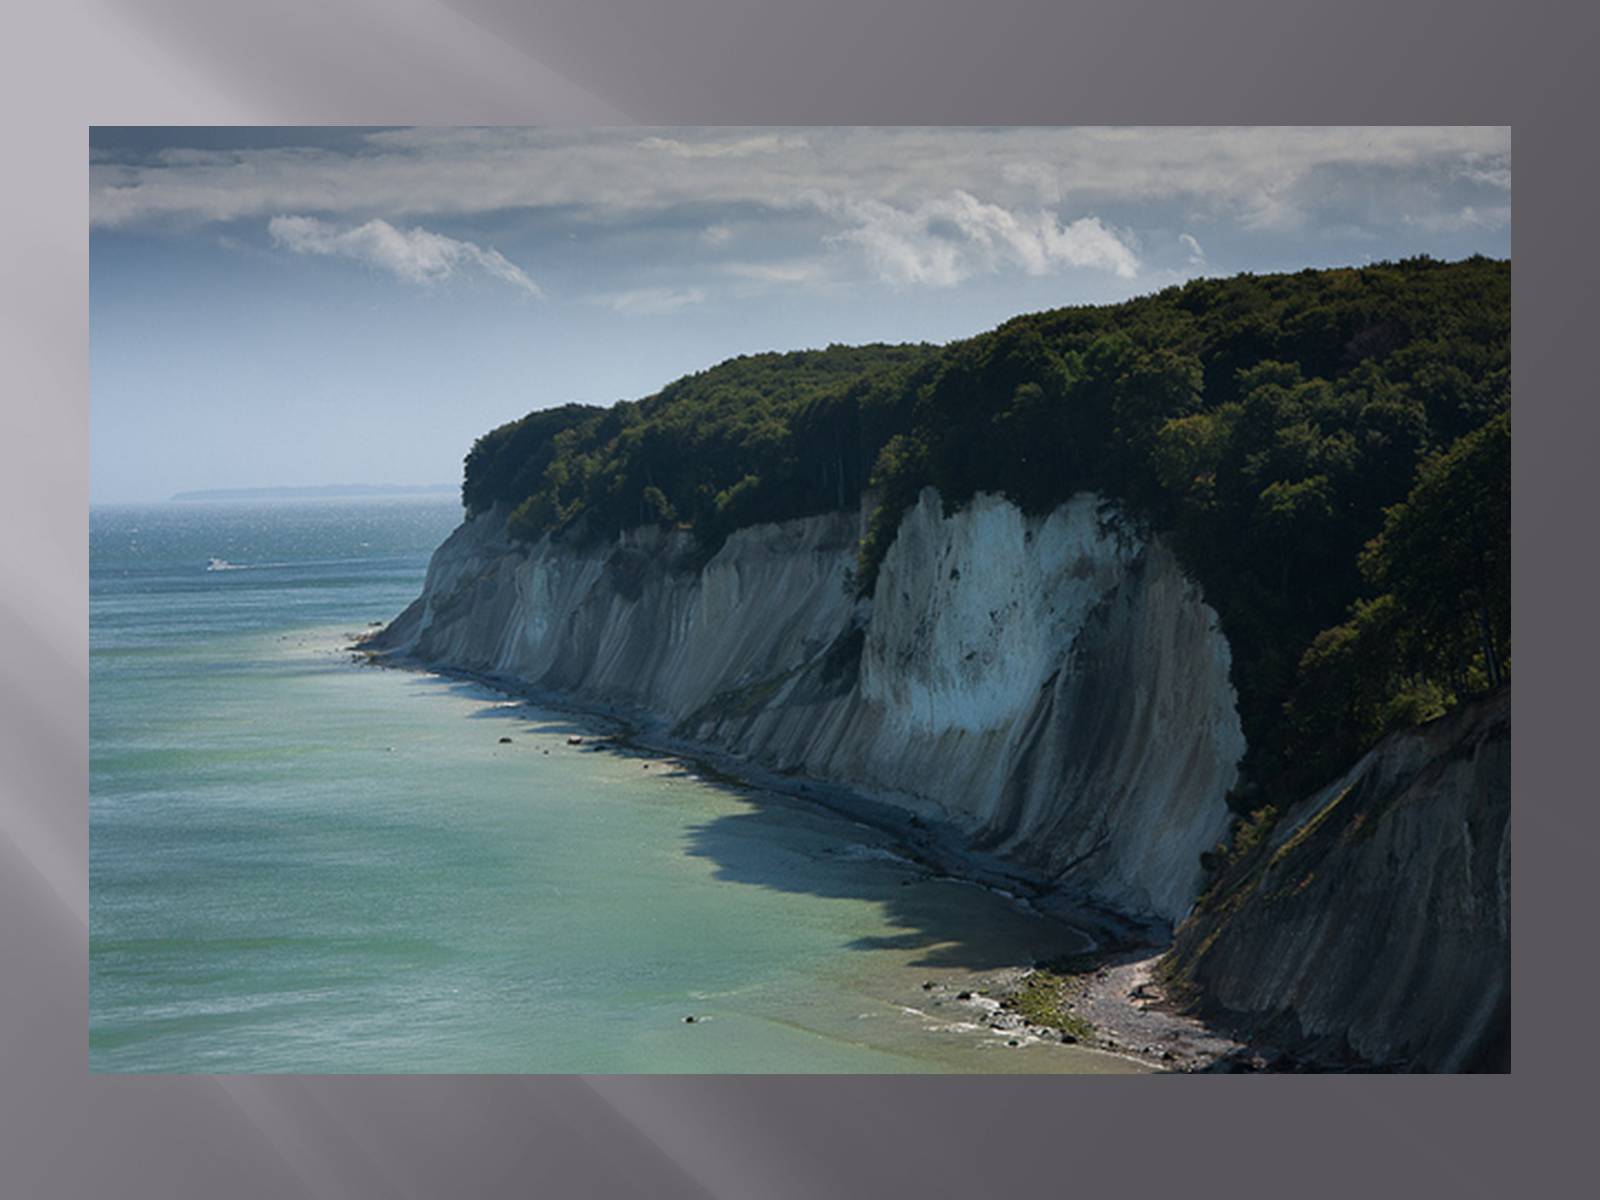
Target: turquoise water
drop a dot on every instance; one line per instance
(299, 863)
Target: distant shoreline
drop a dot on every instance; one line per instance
(334, 491)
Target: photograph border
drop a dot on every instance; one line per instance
(66, 1132)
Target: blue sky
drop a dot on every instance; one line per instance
(306, 306)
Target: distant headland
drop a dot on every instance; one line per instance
(332, 491)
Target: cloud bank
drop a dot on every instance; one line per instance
(906, 207)
(1265, 174)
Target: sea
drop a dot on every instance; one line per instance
(302, 863)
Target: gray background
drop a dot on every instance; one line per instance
(75, 63)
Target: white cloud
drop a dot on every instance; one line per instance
(1462, 220)
(943, 241)
(716, 235)
(794, 270)
(1197, 254)
(739, 148)
(1493, 170)
(1043, 178)
(1274, 207)
(416, 255)
(652, 301)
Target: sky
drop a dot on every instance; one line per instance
(310, 306)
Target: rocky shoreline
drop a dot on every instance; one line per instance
(1096, 1002)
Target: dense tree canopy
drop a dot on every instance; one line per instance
(1328, 450)
(761, 437)
(1437, 625)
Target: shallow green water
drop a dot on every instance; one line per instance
(302, 864)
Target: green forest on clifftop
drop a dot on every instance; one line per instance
(1329, 452)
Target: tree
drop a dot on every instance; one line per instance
(1445, 554)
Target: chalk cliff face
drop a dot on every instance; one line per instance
(1054, 687)
(1376, 917)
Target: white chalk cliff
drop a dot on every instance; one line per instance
(1054, 687)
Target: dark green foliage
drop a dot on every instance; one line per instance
(759, 438)
(1439, 628)
(1267, 424)
(508, 464)
(1445, 555)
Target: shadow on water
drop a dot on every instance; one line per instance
(804, 846)
(497, 705)
(944, 922)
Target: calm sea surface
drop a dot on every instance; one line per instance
(302, 864)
